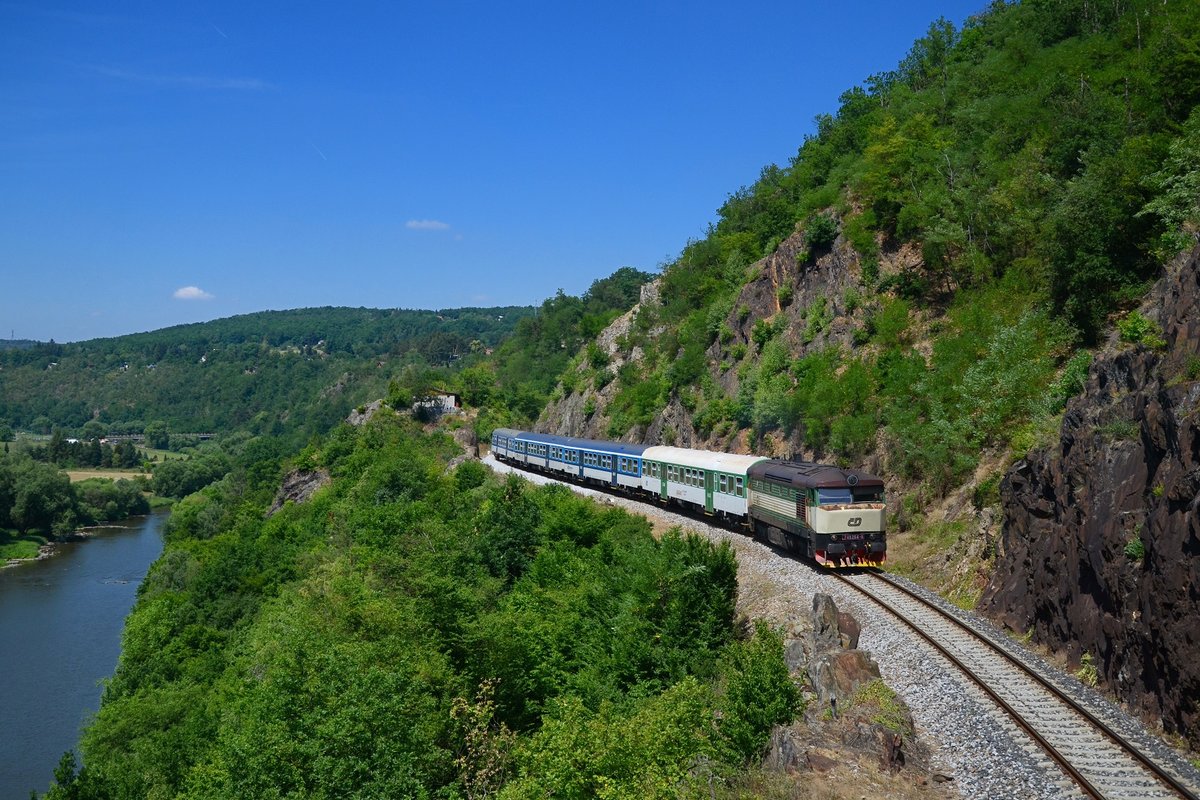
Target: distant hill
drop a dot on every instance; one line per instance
(268, 372)
(17, 344)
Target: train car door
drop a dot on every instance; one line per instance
(708, 491)
(613, 460)
(662, 472)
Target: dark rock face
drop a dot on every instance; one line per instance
(1125, 470)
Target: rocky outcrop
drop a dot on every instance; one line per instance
(298, 487)
(363, 414)
(810, 298)
(844, 722)
(836, 668)
(1100, 547)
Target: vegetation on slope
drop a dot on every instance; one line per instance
(416, 633)
(1002, 196)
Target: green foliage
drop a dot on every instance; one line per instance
(648, 751)
(1135, 549)
(763, 332)
(987, 493)
(784, 294)
(326, 650)
(890, 323)
(820, 232)
(1135, 328)
(817, 316)
(1177, 203)
(636, 403)
(1191, 368)
(1071, 380)
(1118, 430)
(759, 693)
(889, 710)
(1087, 674)
(291, 373)
(540, 351)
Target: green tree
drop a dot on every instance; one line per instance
(157, 435)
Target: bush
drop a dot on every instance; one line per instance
(759, 693)
(785, 294)
(821, 232)
(1135, 549)
(1134, 328)
(762, 333)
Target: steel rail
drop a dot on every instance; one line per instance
(1063, 761)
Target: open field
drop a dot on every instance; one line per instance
(77, 475)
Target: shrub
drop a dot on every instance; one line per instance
(1087, 673)
(1135, 328)
(1071, 381)
(762, 333)
(1135, 549)
(596, 356)
(821, 232)
(759, 693)
(785, 294)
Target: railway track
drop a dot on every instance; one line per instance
(1098, 760)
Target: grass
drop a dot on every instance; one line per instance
(77, 475)
(18, 545)
(151, 454)
(1087, 674)
(889, 713)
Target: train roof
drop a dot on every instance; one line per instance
(621, 448)
(807, 474)
(509, 432)
(702, 459)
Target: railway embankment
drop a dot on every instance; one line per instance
(1099, 554)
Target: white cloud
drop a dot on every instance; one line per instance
(191, 293)
(426, 225)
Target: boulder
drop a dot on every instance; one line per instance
(835, 675)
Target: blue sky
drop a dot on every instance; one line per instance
(164, 163)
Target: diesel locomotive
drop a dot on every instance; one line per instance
(833, 516)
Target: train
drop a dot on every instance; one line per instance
(835, 517)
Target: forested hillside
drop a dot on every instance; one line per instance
(923, 282)
(270, 372)
(413, 632)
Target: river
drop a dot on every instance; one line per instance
(60, 635)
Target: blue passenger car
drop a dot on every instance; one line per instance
(612, 463)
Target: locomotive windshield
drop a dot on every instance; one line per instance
(832, 496)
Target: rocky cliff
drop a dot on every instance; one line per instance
(811, 298)
(1100, 549)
